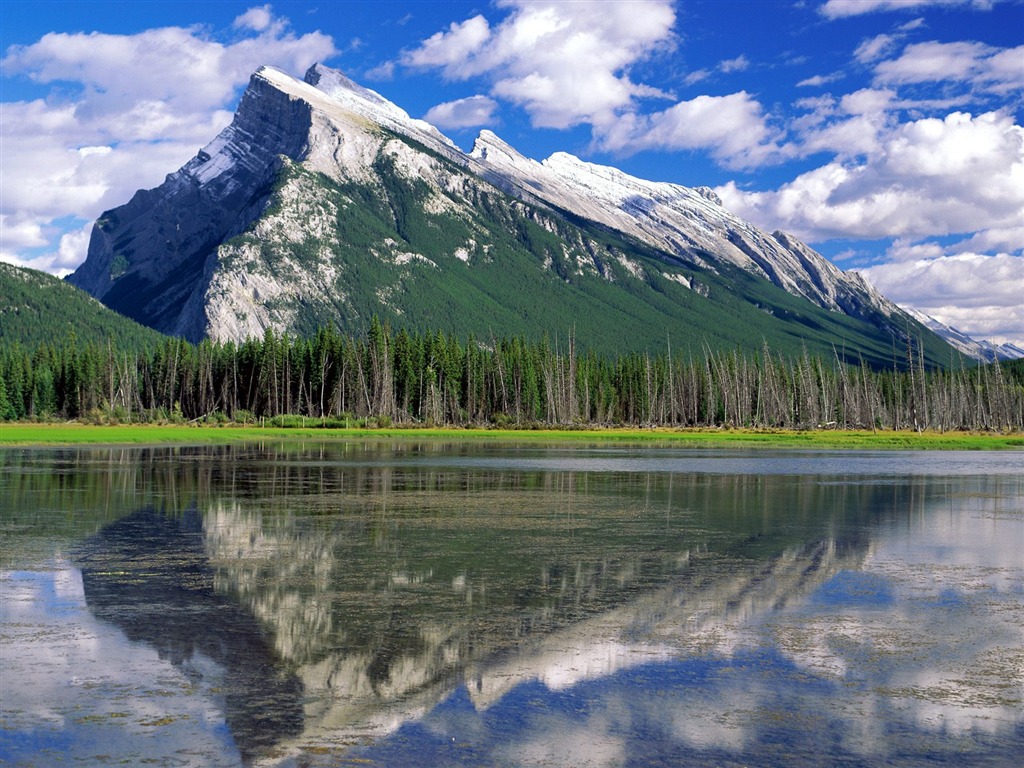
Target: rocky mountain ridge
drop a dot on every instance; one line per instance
(978, 349)
(323, 203)
(691, 224)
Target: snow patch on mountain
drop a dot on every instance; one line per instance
(977, 349)
(370, 104)
(683, 280)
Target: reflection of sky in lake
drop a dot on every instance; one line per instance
(76, 687)
(916, 658)
(844, 464)
(880, 626)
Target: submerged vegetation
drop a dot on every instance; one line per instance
(431, 379)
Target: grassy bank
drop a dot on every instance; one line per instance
(23, 434)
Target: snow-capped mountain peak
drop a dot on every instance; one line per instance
(368, 103)
(691, 224)
(978, 349)
(318, 173)
(492, 149)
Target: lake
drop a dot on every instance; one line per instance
(468, 604)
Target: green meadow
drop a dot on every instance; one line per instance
(30, 434)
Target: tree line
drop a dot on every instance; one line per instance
(383, 378)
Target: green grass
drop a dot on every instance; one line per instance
(22, 434)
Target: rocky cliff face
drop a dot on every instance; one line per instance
(153, 258)
(323, 203)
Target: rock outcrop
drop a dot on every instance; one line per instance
(152, 258)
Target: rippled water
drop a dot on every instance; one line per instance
(445, 604)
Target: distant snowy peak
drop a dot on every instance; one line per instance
(564, 179)
(982, 349)
(489, 148)
(1012, 351)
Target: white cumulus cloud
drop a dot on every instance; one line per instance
(454, 51)
(123, 110)
(739, 64)
(819, 80)
(564, 63)
(733, 128)
(925, 178)
(874, 48)
(982, 66)
(463, 113)
(978, 294)
(837, 9)
(569, 63)
(257, 19)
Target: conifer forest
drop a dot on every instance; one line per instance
(384, 378)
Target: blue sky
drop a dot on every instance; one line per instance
(885, 133)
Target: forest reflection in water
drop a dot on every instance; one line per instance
(455, 603)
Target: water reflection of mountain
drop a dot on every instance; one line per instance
(347, 589)
(415, 584)
(147, 574)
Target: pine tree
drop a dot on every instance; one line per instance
(6, 409)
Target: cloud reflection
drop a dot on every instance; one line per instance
(76, 681)
(396, 609)
(917, 651)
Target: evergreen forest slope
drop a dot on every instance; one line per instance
(37, 308)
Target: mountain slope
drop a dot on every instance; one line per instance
(323, 203)
(691, 224)
(37, 308)
(984, 351)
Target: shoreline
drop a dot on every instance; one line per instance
(28, 435)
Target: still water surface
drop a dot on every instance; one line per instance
(457, 604)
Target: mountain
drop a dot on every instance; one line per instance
(36, 307)
(325, 204)
(983, 350)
